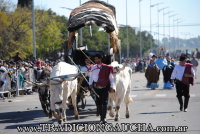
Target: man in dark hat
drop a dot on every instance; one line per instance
(101, 80)
(183, 74)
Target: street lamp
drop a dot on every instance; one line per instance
(174, 30)
(167, 45)
(159, 10)
(67, 8)
(178, 20)
(170, 28)
(127, 47)
(154, 5)
(33, 29)
(150, 27)
(108, 39)
(81, 32)
(140, 28)
(164, 20)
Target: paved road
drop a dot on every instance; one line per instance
(153, 107)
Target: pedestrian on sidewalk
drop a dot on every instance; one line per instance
(183, 74)
(152, 75)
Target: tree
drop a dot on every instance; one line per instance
(50, 32)
(15, 33)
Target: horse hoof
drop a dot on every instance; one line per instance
(116, 119)
(83, 106)
(127, 116)
(60, 121)
(76, 117)
(50, 116)
(111, 115)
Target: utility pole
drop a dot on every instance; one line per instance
(33, 29)
(164, 20)
(170, 30)
(159, 10)
(140, 28)
(127, 47)
(81, 31)
(157, 4)
(150, 27)
(108, 39)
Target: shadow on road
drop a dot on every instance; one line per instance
(160, 112)
(19, 118)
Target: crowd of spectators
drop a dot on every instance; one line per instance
(20, 74)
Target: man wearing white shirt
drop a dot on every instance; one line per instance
(183, 73)
(86, 70)
(102, 80)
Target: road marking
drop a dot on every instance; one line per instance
(161, 95)
(134, 96)
(192, 95)
(150, 92)
(18, 100)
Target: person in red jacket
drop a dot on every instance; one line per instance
(102, 81)
(183, 75)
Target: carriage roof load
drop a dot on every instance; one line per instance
(94, 12)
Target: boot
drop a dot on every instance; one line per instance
(186, 101)
(97, 112)
(180, 100)
(103, 114)
(103, 121)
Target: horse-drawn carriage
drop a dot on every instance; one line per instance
(91, 13)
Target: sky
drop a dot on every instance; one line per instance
(187, 12)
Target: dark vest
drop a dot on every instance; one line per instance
(188, 70)
(104, 73)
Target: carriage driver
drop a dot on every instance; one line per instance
(102, 81)
(86, 70)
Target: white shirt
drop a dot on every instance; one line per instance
(94, 75)
(178, 72)
(86, 69)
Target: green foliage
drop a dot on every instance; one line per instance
(51, 33)
(16, 33)
(95, 40)
(133, 41)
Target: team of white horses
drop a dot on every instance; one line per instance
(61, 90)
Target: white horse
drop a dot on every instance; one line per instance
(61, 90)
(122, 77)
